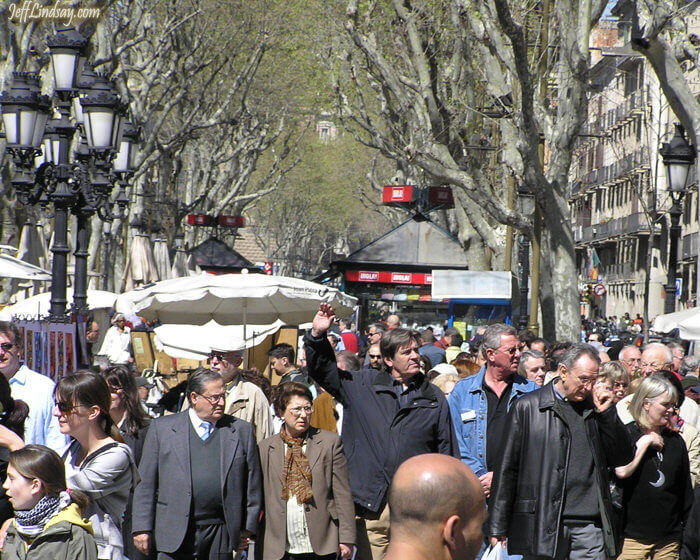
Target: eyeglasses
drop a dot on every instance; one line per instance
(7, 346)
(510, 351)
(587, 380)
(213, 399)
(373, 333)
(114, 389)
(296, 411)
(66, 407)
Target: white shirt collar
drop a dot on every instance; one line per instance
(197, 422)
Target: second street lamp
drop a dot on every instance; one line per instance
(678, 155)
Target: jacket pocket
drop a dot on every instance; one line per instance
(522, 524)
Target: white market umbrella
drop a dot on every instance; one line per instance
(179, 268)
(10, 267)
(233, 299)
(162, 257)
(140, 267)
(38, 306)
(687, 322)
(195, 342)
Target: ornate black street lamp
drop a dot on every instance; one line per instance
(48, 171)
(526, 207)
(678, 155)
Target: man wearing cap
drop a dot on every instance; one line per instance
(691, 388)
(244, 400)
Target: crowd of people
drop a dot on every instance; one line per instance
(392, 443)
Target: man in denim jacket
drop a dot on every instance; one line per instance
(479, 404)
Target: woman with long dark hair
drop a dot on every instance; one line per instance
(97, 461)
(48, 520)
(131, 419)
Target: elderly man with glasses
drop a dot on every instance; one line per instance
(244, 400)
(200, 494)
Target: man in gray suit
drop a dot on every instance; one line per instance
(200, 494)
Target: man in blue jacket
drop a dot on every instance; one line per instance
(479, 404)
(389, 416)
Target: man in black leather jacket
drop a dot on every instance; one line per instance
(551, 494)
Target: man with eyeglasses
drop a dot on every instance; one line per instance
(631, 358)
(551, 496)
(36, 390)
(200, 494)
(375, 357)
(659, 357)
(479, 404)
(244, 400)
(374, 335)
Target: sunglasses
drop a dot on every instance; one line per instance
(7, 346)
(66, 407)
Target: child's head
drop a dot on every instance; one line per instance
(33, 472)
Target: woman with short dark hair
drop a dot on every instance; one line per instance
(308, 506)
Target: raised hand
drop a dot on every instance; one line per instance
(323, 320)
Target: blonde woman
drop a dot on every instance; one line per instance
(657, 493)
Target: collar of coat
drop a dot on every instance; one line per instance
(548, 399)
(383, 380)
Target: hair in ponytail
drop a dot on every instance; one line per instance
(89, 389)
(44, 464)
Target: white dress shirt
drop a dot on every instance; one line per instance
(41, 426)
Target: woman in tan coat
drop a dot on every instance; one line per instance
(309, 512)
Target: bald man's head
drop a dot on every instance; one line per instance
(436, 496)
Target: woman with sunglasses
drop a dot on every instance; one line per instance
(97, 461)
(309, 511)
(656, 489)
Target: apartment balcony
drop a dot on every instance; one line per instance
(618, 272)
(634, 224)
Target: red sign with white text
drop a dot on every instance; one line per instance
(398, 193)
(388, 277)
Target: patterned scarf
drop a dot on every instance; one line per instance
(296, 475)
(30, 522)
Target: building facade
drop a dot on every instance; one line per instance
(619, 196)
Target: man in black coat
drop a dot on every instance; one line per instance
(551, 494)
(389, 416)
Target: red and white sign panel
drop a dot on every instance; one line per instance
(599, 290)
(398, 193)
(267, 268)
(388, 277)
(200, 220)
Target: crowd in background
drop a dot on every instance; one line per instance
(225, 463)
